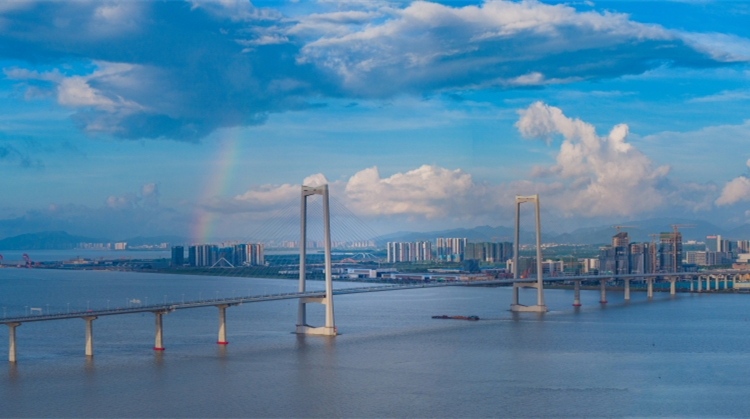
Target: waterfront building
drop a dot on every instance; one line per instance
(418, 251)
(670, 252)
(203, 255)
(450, 249)
(248, 254)
(488, 252)
(178, 256)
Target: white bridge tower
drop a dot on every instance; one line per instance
(515, 306)
(302, 327)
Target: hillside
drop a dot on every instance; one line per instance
(47, 240)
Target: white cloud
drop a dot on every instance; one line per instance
(737, 189)
(609, 175)
(148, 197)
(428, 191)
(77, 91)
(724, 96)
(428, 45)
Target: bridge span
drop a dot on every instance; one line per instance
(325, 297)
(695, 280)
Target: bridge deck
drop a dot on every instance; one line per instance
(341, 291)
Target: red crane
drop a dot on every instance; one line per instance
(27, 260)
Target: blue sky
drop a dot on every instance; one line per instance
(201, 118)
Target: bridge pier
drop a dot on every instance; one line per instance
(650, 287)
(12, 341)
(602, 291)
(627, 289)
(89, 335)
(717, 283)
(222, 340)
(539, 285)
(158, 344)
(726, 278)
(691, 284)
(698, 284)
(672, 287)
(576, 293)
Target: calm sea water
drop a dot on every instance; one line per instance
(687, 356)
(16, 256)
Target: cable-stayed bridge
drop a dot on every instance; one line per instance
(325, 297)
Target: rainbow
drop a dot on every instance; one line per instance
(217, 185)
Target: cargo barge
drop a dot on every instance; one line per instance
(470, 318)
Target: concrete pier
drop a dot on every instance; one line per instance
(627, 290)
(576, 294)
(717, 284)
(12, 341)
(89, 336)
(222, 324)
(698, 284)
(672, 287)
(603, 291)
(650, 287)
(726, 278)
(691, 285)
(158, 344)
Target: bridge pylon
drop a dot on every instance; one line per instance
(515, 306)
(302, 327)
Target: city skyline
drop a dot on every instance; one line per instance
(192, 118)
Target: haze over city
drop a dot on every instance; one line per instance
(202, 118)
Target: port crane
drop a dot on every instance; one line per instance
(617, 228)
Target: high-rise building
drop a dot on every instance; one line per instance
(616, 259)
(178, 256)
(418, 251)
(670, 252)
(620, 239)
(696, 258)
(450, 249)
(488, 252)
(713, 243)
(248, 254)
(203, 255)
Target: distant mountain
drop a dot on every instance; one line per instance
(47, 240)
(588, 235)
(142, 241)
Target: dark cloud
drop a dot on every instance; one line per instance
(181, 70)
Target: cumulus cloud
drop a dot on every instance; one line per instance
(148, 198)
(609, 175)
(429, 191)
(736, 190)
(181, 70)
(591, 175)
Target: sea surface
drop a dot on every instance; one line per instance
(684, 356)
(12, 257)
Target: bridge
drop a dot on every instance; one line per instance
(325, 297)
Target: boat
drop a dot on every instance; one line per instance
(470, 318)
